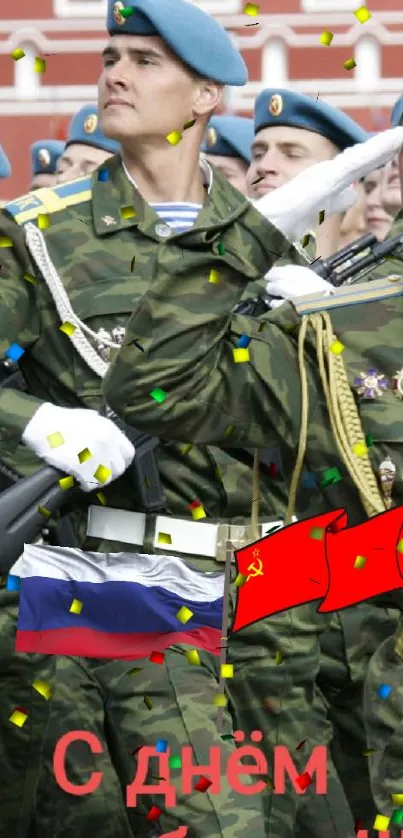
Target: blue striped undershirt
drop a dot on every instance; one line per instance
(179, 216)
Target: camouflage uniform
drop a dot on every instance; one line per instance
(188, 352)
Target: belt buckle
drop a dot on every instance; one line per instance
(239, 535)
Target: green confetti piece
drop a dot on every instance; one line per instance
(227, 737)
(221, 249)
(397, 816)
(175, 762)
(317, 533)
(330, 476)
(158, 395)
(369, 441)
(148, 702)
(189, 124)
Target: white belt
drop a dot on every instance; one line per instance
(173, 535)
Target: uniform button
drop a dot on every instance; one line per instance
(163, 231)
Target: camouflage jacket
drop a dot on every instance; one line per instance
(107, 245)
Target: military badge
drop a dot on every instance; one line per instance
(44, 158)
(211, 137)
(398, 384)
(275, 105)
(116, 13)
(370, 384)
(90, 124)
(105, 339)
(387, 474)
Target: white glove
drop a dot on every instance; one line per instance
(294, 208)
(79, 430)
(290, 281)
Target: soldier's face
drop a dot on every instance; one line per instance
(145, 92)
(391, 195)
(79, 160)
(378, 221)
(38, 181)
(233, 168)
(280, 152)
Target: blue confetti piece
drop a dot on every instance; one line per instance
(384, 690)
(103, 175)
(243, 342)
(15, 352)
(13, 583)
(308, 480)
(161, 746)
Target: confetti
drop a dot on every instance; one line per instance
(227, 736)
(101, 497)
(43, 688)
(304, 780)
(214, 277)
(227, 670)
(349, 64)
(241, 356)
(336, 347)
(400, 546)
(301, 745)
(272, 470)
(186, 449)
(251, 9)
(14, 352)
(330, 476)
(132, 264)
(360, 450)
(326, 38)
(76, 607)
(127, 12)
(197, 510)
(258, 180)
(148, 702)
(18, 717)
(84, 455)
(29, 278)
(189, 124)
(360, 562)
(381, 823)
(193, 657)
(154, 813)
(279, 657)
(68, 328)
(158, 395)
(220, 700)
(45, 512)
(384, 691)
(243, 342)
(17, 54)
(43, 221)
(164, 538)
(174, 137)
(240, 580)
(369, 752)
(184, 615)
(397, 816)
(39, 65)
(13, 583)
(397, 798)
(316, 533)
(203, 784)
(66, 483)
(221, 249)
(305, 241)
(134, 671)
(362, 14)
(175, 762)
(5, 241)
(229, 431)
(103, 175)
(127, 212)
(55, 440)
(161, 746)
(102, 474)
(157, 657)
(321, 217)
(308, 480)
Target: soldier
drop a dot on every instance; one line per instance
(227, 146)
(86, 146)
(5, 168)
(44, 157)
(293, 392)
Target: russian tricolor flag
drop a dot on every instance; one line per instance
(115, 605)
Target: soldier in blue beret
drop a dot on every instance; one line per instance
(5, 168)
(86, 146)
(227, 145)
(44, 157)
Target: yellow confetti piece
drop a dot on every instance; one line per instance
(336, 347)
(134, 671)
(317, 533)
(67, 328)
(381, 823)
(326, 38)
(186, 449)
(229, 431)
(30, 278)
(5, 241)
(227, 670)
(362, 14)
(127, 212)
(400, 546)
(43, 689)
(349, 64)
(102, 498)
(66, 483)
(241, 355)
(397, 799)
(368, 752)
(76, 607)
(174, 137)
(84, 455)
(217, 474)
(279, 658)
(43, 221)
(148, 702)
(198, 513)
(39, 65)
(102, 474)
(55, 440)
(220, 700)
(240, 580)
(164, 538)
(305, 241)
(45, 512)
(321, 217)
(17, 54)
(360, 449)
(184, 615)
(360, 562)
(251, 9)
(18, 718)
(214, 277)
(193, 657)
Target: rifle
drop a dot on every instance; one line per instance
(22, 522)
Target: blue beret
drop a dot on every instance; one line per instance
(5, 168)
(44, 156)
(284, 107)
(397, 112)
(194, 36)
(229, 136)
(85, 128)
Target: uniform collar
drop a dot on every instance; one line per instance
(207, 173)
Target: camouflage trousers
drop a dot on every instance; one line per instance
(383, 716)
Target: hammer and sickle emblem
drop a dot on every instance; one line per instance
(258, 570)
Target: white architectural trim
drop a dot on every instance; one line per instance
(329, 5)
(80, 8)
